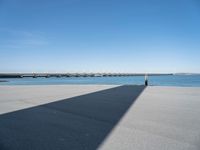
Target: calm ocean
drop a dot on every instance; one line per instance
(172, 80)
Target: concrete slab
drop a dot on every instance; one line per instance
(14, 98)
(99, 117)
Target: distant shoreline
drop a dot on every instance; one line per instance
(48, 75)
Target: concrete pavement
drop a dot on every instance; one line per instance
(99, 117)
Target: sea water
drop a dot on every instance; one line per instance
(168, 80)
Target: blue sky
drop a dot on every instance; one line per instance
(100, 36)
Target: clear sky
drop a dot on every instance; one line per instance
(100, 36)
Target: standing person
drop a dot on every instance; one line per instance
(146, 79)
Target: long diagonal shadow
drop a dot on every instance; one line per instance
(81, 122)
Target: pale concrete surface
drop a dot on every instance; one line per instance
(162, 118)
(14, 98)
(99, 117)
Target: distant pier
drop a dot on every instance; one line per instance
(48, 75)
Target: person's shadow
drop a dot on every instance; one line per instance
(77, 123)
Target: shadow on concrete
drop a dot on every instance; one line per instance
(77, 123)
